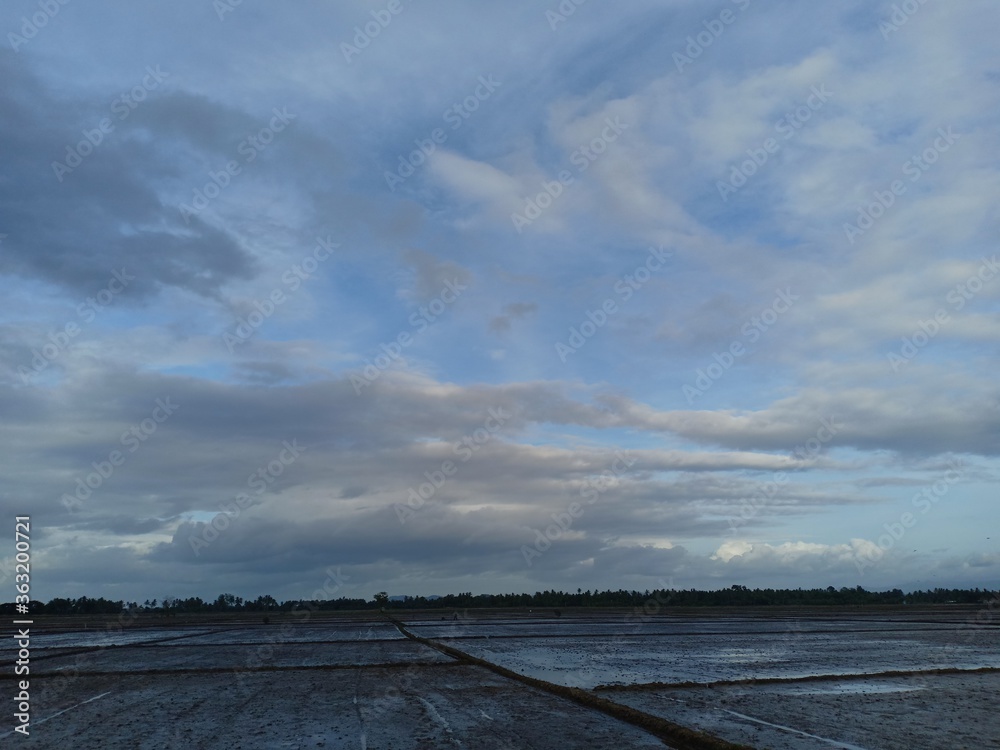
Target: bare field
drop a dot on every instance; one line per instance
(956, 711)
(758, 680)
(701, 651)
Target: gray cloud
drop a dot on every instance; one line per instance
(106, 215)
(698, 462)
(511, 312)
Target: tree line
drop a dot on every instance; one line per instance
(734, 596)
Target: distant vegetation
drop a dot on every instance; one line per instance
(735, 596)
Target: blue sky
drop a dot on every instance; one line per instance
(727, 270)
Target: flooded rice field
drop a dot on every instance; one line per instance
(920, 679)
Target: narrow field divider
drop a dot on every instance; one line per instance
(675, 735)
(784, 680)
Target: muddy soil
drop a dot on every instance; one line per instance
(210, 656)
(420, 708)
(358, 683)
(929, 712)
(698, 652)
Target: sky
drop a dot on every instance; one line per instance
(325, 299)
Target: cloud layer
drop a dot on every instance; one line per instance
(500, 300)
